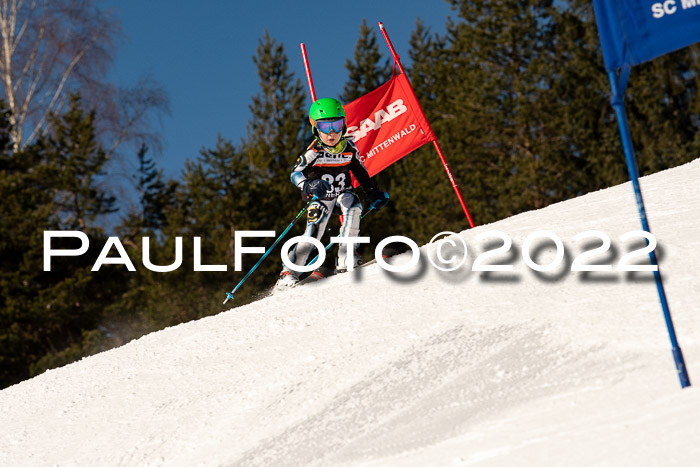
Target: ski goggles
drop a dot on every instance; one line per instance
(326, 126)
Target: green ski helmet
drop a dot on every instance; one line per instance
(326, 108)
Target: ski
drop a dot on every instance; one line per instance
(319, 274)
(324, 272)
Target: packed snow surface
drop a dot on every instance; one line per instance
(410, 369)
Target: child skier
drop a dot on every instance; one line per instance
(324, 171)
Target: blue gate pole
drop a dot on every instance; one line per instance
(617, 102)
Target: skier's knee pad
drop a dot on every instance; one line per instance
(315, 213)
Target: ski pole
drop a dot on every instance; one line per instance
(229, 295)
(371, 207)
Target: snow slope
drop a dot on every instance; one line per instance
(418, 368)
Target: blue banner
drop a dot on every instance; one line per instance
(634, 31)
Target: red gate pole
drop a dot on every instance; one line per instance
(397, 60)
(308, 72)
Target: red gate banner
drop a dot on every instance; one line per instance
(387, 124)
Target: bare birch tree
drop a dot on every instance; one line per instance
(51, 48)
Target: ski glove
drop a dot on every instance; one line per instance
(316, 187)
(377, 199)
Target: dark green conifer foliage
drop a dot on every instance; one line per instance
(155, 193)
(52, 318)
(216, 202)
(201, 206)
(278, 133)
(75, 162)
(421, 191)
(231, 188)
(494, 117)
(24, 205)
(428, 67)
(367, 70)
(526, 106)
(279, 121)
(141, 308)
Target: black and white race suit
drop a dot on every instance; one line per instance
(335, 167)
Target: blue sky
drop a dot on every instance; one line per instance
(201, 53)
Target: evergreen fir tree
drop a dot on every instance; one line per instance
(278, 133)
(52, 318)
(367, 71)
(526, 105)
(499, 108)
(155, 195)
(223, 190)
(279, 122)
(428, 67)
(75, 162)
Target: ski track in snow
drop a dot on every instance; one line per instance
(420, 368)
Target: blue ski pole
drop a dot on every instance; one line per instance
(229, 295)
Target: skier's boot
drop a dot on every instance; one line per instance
(342, 268)
(286, 281)
(317, 275)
